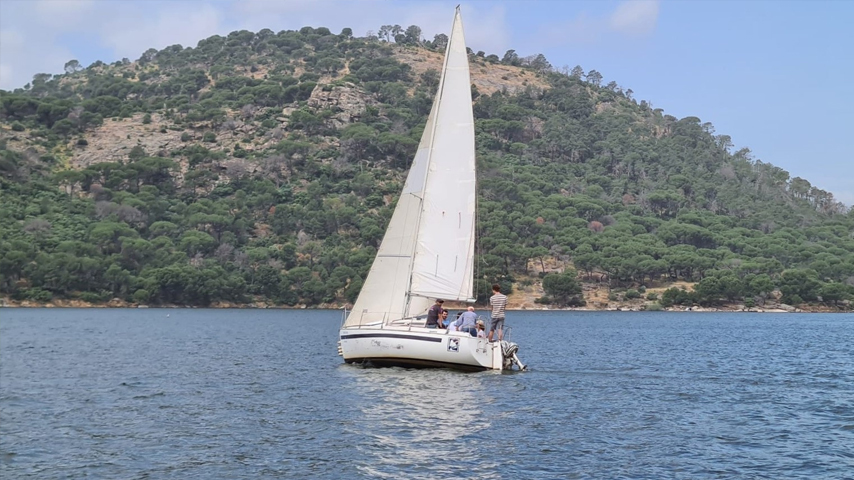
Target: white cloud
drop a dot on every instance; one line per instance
(630, 19)
(23, 53)
(61, 15)
(635, 17)
(29, 37)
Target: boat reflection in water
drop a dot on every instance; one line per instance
(422, 423)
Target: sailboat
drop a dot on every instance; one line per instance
(428, 249)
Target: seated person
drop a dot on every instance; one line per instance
(443, 319)
(466, 322)
(434, 313)
(481, 329)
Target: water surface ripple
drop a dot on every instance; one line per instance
(261, 394)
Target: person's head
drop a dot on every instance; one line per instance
(471, 309)
(496, 288)
(444, 313)
(480, 324)
(439, 301)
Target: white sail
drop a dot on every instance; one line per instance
(444, 253)
(428, 248)
(384, 294)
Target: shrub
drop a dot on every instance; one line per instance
(82, 142)
(141, 296)
(18, 126)
(91, 297)
(39, 295)
(186, 137)
(209, 137)
(146, 119)
(613, 297)
(676, 296)
(652, 296)
(653, 307)
(632, 294)
(576, 302)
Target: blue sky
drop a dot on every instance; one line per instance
(774, 75)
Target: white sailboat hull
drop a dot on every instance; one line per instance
(419, 347)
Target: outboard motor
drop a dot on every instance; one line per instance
(508, 350)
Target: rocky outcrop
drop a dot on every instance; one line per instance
(112, 141)
(346, 101)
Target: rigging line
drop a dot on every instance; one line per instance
(439, 93)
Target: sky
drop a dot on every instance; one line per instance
(776, 76)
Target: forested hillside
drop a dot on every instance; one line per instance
(263, 167)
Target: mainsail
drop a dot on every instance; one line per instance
(428, 249)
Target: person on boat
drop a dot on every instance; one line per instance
(498, 302)
(443, 319)
(434, 313)
(467, 322)
(452, 324)
(481, 329)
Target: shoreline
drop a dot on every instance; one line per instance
(116, 303)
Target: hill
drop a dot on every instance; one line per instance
(263, 168)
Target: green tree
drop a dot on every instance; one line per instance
(799, 284)
(563, 288)
(834, 292)
(72, 66)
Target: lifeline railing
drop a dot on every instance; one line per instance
(380, 320)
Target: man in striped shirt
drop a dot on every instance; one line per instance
(498, 302)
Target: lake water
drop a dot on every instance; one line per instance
(180, 393)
